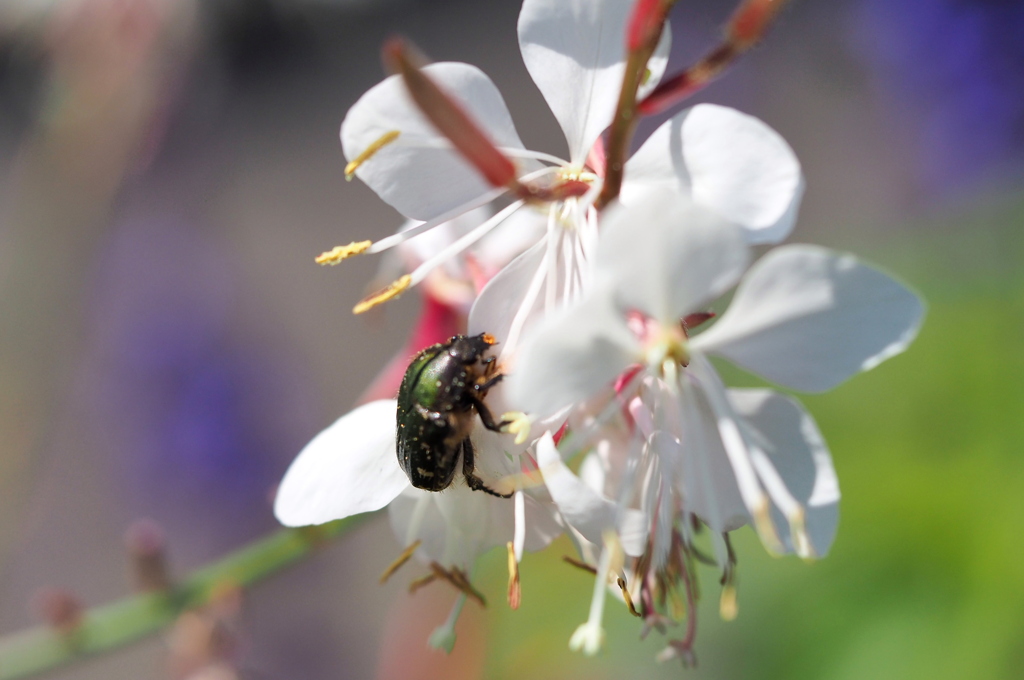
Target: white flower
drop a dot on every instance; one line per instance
(803, 317)
(575, 52)
(352, 467)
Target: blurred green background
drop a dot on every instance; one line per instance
(926, 579)
(168, 170)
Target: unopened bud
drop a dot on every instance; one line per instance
(645, 23)
(146, 549)
(59, 609)
(751, 20)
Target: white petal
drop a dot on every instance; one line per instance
(584, 509)
(575, 52)
(702, 469)
(809, 318)
(457, 525)
(704, 390)
(414, 516)
(728, 161)
(453, 525)
(667, 256)
(349, 468)
(542, 524)
(657, 64)
(502, 297)
(798, 456)
(419, 173)
(570, 358)
(523, 228)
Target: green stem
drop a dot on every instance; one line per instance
(124, 621)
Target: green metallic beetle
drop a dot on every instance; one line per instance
(441, 394)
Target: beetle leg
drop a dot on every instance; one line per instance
(468, 468)
(486, 416)
(488, 384)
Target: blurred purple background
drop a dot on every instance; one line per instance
(169, 169)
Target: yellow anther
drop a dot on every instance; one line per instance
(402, 559)
(766, 528)
(367, 154)
(392, 290)
(727, 607)
(798, 531)
(628, 598)
(515, 591)
(579, 565)
(571, 174)
(420, 582)
(339, 253)
(518, 423)
(459, 580)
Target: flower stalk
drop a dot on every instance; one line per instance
(645, 29)
(122, 622)
(747, 26)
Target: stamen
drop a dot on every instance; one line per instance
(628, 598)
(420, 582)
(339, 253)
(739, 457)
(798, 531)
(402, 559)
(518, 423)
(554, 237)
(392, 290)
(766, 527)
(515, 591)
(405, 235)
(453, 249)
(727, 607)
(784, 500)
(519, 320)
(458, 578)
(369, 152)
(519, 529)
(579, 565)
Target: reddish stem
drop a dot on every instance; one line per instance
(644, 31)
(449, 118)
(747, 27)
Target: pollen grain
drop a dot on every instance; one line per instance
(397, 564)
(515, 590)
(391, 291)
(339, 253)
(368, 152)
(628, 598)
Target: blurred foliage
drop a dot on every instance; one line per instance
(926, 578)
